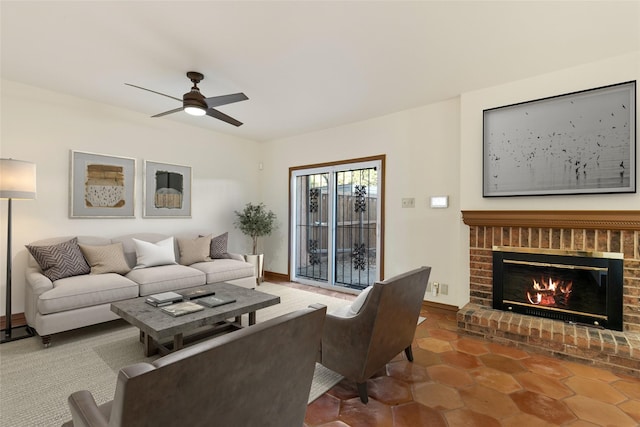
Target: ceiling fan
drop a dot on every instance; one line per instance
(194, 103)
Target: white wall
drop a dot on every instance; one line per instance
(615, 70)
(42, 127)
(422, 156)
(431, 150)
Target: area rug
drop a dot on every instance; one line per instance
(35, 382)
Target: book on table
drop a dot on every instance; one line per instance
(163, 299)
(182, 308)
(196, 293)
(213, 301)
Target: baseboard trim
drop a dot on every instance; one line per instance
(271, 276)
(276, 277)
(17, 319)
(426, 305)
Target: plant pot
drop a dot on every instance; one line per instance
(258, 266)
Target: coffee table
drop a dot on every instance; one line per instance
(162, 333)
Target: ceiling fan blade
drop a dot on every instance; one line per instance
(149, 90)
(221, 116)
(216, 101)
(175, 110)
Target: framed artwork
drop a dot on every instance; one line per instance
(167, 190)
(102, 186)
(577, 143)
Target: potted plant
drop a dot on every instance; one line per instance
(255, 221)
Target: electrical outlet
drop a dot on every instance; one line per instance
(436, 288)
(409, 202)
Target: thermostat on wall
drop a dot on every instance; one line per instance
(439, 201)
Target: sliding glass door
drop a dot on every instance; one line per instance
(336, 213)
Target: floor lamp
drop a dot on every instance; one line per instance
(17, 181)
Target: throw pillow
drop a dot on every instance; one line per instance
(106, 258)
(59, 261)
(357, 303)
(219, 246)
(194, 250)
(151, 254)
(355, 307)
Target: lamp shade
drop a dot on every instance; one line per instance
(17, 179)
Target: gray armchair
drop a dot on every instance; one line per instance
(257, 376)
(360, 345)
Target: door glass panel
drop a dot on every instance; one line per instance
(312, 231)
(356, 228)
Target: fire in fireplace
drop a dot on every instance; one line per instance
(550, 293)
(579, 287)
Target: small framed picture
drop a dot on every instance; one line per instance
(167, 190)
(102, 186)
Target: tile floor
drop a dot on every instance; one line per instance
(461, 381)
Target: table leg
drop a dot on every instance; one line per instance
(252, 318)
(177, 342)
(149, 345)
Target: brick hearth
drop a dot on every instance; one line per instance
(603, 231)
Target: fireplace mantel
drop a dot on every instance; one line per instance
(618, 220)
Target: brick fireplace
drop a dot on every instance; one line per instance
(597, 231)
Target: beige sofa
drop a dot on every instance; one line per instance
(58, 305)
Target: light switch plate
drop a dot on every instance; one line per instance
(409, 202)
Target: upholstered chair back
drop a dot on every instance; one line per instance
(358, 346)
(257, 376)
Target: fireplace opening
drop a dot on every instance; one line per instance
(577, 287)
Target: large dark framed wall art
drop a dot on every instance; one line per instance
(577, 143)
(102, 186)
(167, 190)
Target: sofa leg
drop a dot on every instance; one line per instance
(409, 353)
(362, 392)
(46, 341)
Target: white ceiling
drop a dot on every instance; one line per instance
(305, 65)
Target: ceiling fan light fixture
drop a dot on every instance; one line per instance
(195, 111)
(195, 104)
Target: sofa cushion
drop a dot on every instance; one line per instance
(219, 246)
(221, 270)
(60, 260)
(153, 254)
(194, 250)
(85, 291)
(106, 258)
(166, 278)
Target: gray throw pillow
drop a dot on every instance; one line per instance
(62, 260)
(219, 246)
